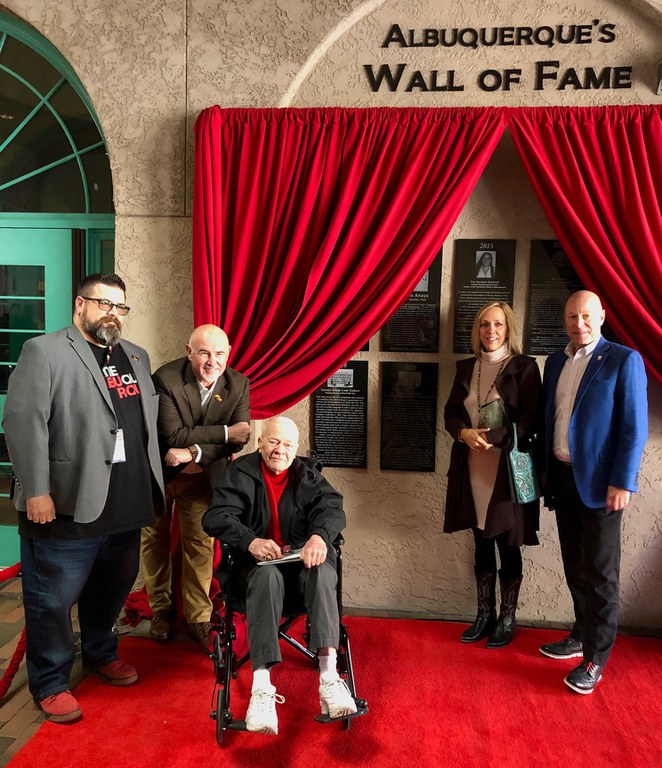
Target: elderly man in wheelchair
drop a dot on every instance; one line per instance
(271, 506)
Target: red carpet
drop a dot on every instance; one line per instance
(433, 702)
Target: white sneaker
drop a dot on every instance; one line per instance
(261, 714)
(335, 698)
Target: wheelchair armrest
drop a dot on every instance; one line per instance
(228, 557)
(337, 542)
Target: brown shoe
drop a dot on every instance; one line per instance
(202, 634)
(116, 672)
(160, 626)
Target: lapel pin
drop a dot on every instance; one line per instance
(599, 357)
(135, 357)
(218, 398)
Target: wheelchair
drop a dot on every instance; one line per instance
(227, 663)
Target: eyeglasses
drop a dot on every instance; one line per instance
(105, 305)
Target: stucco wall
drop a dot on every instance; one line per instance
(150, 67)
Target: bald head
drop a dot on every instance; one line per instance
(278, 443)
(584, 317)
(208, 350)
(209, 334)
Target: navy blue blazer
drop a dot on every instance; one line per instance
(608, 426)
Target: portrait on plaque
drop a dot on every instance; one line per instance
(485, 265)
(342, 378)
(484, 271)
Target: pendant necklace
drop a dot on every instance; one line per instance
(481, 408)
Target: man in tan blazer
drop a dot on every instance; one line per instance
(204, 417)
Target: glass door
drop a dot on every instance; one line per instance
(35, 298)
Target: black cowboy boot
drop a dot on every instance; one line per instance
(486, 615)
(506, 625)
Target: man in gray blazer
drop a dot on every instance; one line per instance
(204, 417)
(80, 424)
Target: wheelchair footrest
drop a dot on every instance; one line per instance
(235, 725)
(361, 709)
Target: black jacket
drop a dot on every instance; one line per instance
(520, 388)
(239, 509)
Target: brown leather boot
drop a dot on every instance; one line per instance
(201, 632)
(160, 626)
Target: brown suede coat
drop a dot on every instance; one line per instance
(519, 386)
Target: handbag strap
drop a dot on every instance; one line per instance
(514, 436)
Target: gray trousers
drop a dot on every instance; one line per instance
(265, 592)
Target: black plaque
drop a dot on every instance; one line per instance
(340, 417)
(415, 325)
(409, 416)
(484, 272)
(552, 279)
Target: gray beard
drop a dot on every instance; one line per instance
(107, 334)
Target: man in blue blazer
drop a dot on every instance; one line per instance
(596, 425)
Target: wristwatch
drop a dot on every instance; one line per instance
(193, 451)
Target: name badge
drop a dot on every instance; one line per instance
(119, 455)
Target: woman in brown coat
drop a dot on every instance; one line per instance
(492, 390)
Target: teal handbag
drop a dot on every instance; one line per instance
(524, 486)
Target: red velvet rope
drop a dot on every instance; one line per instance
(13, 666)
(9, 573)
(15, 663)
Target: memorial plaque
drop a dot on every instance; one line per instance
(340, 417)
(552, 279)
(484, 272)
(415, 325)
(409, 416)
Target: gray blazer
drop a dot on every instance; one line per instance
(60, 424)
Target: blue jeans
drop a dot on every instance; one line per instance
(96, 573)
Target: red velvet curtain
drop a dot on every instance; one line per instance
(598, 174)
(311, 227)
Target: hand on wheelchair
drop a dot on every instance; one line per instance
(265, 549)
(314, 551)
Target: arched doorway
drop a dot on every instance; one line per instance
(56, 207)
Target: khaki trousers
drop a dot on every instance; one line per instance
(190, 495)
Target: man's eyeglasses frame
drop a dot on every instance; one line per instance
(105, 305)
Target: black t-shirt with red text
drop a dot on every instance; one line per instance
(129, 503)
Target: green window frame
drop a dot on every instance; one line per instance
(53, 155)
